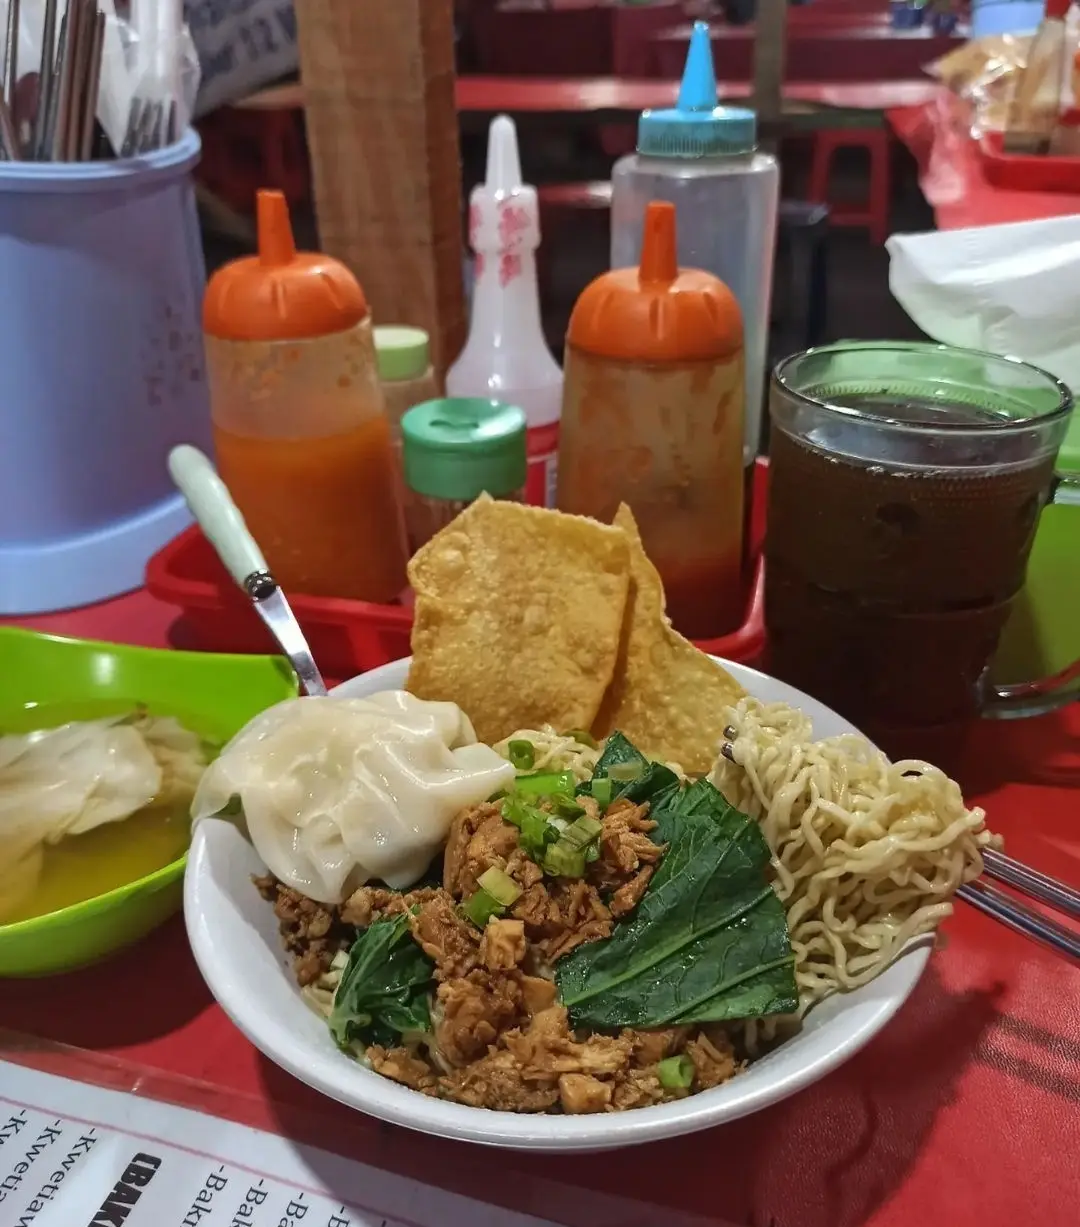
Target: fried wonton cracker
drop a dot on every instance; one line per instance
(518, 616)
(666, 696)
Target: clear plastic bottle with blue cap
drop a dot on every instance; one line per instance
(704, 160)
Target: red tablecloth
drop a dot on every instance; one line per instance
(951, 176)
(965, 1112)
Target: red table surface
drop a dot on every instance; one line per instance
(950, 172)
(964, 1112)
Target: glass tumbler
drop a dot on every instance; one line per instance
(906, 482)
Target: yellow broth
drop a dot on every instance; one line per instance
(116, 854)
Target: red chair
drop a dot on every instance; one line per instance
(873, 213)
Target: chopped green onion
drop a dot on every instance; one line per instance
(579, 834)
(481, 907)
(623, 773)
(583, 737)
(566, 806)
(563, 862)
(676, 1073)
(500, 886)
(545, 783)
(537, 830)
(601, 791)
(522, 754)
(592, 853)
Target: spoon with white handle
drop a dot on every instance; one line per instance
(220, 519)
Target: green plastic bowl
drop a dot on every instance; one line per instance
(214, 696)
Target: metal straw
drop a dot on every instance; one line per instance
(46, 80)
(93, 87)
(10, 122)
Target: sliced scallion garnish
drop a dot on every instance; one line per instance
(500, 886)
(676, 1073)
(522, 754)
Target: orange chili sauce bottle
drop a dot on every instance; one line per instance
(301, 435)
(653, 417)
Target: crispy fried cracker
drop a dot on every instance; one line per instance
(666, 696)
(518, 616)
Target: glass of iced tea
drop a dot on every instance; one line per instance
(906, 482)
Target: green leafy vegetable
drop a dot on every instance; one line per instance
(629, 773)
(522, 754)
(618, 749)
(384, 988)
(625, 773)
(676, 1073)
(708, 942)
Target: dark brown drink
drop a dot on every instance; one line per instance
(888, 581)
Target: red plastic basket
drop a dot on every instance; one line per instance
(1025, 173)
(350, 637)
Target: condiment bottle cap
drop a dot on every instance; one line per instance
(696, 127)
(504, 215)
(281, 294)
(402, 353)
(657, 312)
(459, 447)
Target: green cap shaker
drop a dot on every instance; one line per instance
(454, 450)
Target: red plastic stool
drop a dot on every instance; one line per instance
(875, 213)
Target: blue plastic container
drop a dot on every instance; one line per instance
(101, 370)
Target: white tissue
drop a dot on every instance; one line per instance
(1012, 289)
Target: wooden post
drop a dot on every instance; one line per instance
(770, 48)
(382, 129)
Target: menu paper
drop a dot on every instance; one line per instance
(73, 1155)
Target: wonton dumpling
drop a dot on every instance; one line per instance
(338, 791)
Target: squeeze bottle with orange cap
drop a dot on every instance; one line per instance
(300, 430)
(653, 417)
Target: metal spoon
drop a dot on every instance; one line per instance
(220, 519)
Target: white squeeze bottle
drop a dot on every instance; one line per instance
(506, 357)
(704, 159)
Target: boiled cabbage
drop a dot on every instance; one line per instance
(336, 792)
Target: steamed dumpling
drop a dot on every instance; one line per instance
(338, 791)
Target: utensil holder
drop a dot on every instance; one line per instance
(102, 360)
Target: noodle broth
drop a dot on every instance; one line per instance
(113, 855)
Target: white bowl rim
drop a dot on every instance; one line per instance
(339, 1077)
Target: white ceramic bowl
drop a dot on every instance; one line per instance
(233, 933)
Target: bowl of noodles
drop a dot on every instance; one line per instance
(561, 881)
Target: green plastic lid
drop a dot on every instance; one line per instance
(460, 447)
(401, 353)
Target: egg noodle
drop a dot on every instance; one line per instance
(553, 752)
(867, 853)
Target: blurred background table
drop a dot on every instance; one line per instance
(815, 52)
